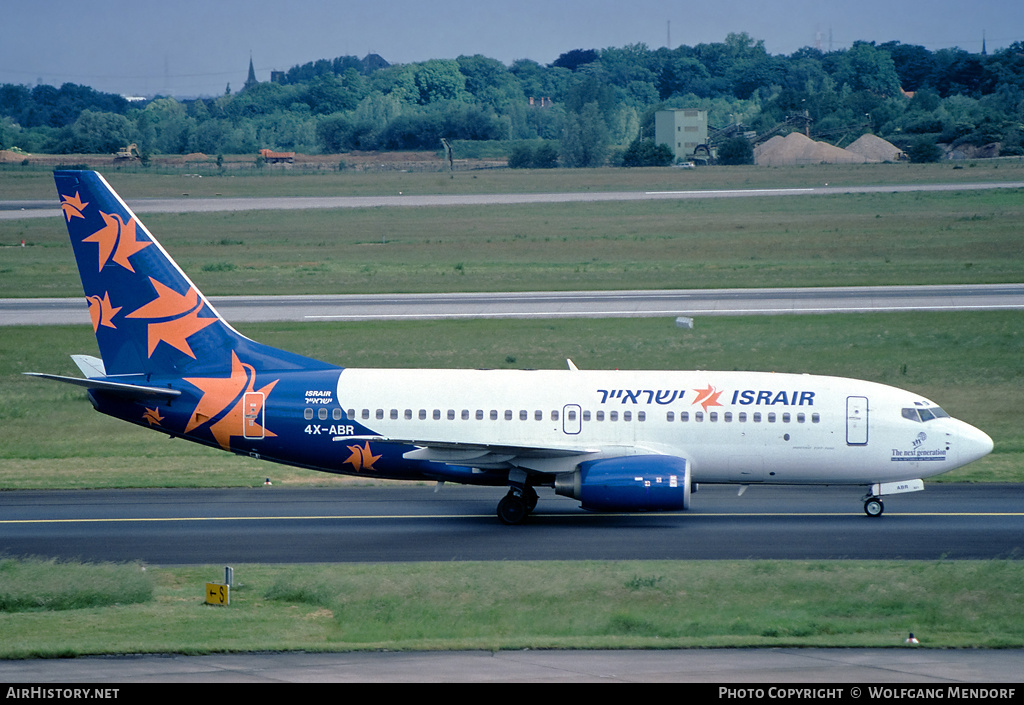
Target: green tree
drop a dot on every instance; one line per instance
(865, 67)
(440, 79)
(585, 138)
(647, 153)
(735, 151)
(923, 150)
(545, 156)
(521, 157)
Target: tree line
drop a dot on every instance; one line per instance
(588, 107)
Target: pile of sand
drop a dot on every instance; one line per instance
(795, 148)
(8, 156)
(875, 149)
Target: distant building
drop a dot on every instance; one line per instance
(683, 130)
(251, 80)
(371, 63)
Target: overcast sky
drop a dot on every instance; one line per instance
(188, 48)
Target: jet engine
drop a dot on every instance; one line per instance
(629, 483)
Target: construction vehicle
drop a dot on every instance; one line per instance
(127, 153)
(271, 157)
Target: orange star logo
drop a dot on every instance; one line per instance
(152, 417)
(178, 314)
(362, 457)
(707, 397)
(72, 206)
(101, 311)
(117, 240)
(227, 393)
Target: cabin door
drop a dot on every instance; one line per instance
(856, 421)
(252, 415)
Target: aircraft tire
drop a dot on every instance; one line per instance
(873, 507)
(512, 510)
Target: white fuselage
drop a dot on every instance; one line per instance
(733, 427)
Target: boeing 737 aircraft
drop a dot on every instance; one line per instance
(614, 440)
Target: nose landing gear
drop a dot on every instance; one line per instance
(873, 507)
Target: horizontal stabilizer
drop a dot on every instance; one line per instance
(133, 391)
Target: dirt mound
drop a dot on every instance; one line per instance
(875, 149)
(7, 156)
(795, 148)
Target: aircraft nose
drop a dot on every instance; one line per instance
(974, 444)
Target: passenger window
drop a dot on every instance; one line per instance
(613, 416)
(423, 414)
(479, 414)
(727, 416)
(757, 417)
(408, 414)
(437, 414)
(465, 414)
(684, 415)
(713, 416)
(670, 416)
(336, 413)
(771, 417)
(494, 414)
(366, 413)
(307, 414)
(586, 416)
(815, 418)
(600, 416)
(785, 418)
(508, 414)
(641, 416)
(451, 414)
(538, 415)
(742, 418)
(394, 413)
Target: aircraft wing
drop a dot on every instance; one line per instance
(486, 456)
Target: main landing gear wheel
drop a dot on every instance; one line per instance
(517, 505)
(512, 509)
(873, 507)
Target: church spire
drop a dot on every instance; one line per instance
(251, 81)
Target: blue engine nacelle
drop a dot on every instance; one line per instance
(630, 483)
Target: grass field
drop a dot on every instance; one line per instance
(514, 605)
(968, 362)
(866, 239)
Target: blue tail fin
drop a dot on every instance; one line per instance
(149, 317)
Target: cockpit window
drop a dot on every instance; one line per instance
(924, 414)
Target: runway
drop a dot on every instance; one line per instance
(568, 304)
(414, 523)
(15, 210)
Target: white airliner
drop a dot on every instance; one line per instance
(614, 440)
